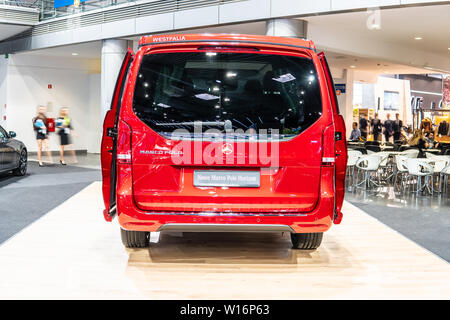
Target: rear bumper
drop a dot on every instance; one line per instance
(132, 218)
(221, 227)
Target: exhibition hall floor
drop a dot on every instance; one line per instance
(71, 252)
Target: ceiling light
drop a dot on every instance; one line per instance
(418, 38)
(353, 67)
(74, 54)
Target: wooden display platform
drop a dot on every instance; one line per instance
(72, 253)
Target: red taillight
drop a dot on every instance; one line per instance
(124, 143)
(328, 155)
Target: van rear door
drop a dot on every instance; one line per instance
(218, 130)
(109, 140)
(340, 140)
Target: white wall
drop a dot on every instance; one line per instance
(94, 132)
(345, 99)
(73, 86)
(403, 88)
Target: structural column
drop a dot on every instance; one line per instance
(287, 28)
(345, 100)
(3, 88)
(113, 52)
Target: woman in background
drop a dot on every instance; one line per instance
(40, 126)
(63, 123)
(418, 140)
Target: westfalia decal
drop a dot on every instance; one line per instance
(169, 39)
(169, 152)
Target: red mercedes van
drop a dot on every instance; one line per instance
(224, 133)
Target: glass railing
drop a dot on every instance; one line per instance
(51, 9)
(59, 8)
(22, 3)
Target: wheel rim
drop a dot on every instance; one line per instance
(23, 162)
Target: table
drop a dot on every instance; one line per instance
(434, 151)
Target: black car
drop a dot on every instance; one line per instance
(13, 154)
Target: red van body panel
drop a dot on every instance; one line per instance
(302, 192)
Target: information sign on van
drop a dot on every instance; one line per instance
(224, 178)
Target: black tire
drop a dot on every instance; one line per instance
(23, 164)
(135, 239)
(306, 241)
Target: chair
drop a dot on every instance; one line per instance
(443, 176)
(353, 156)
(373, 148)
(441, 168)
(401, 170)
(360, 149)
(371, 143)
(418, 168)
(369, 164)
(411, 153)
(384, 164)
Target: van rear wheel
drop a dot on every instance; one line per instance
(306, 241)
(134, 239)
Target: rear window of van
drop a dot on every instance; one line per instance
(240, 94)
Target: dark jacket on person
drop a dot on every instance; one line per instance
(388, 126)
(397, 125)
(421, 146)
(363, 124)
(443, 128)
(377, 126)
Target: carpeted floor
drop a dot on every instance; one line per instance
(23, 200)
(428, 228)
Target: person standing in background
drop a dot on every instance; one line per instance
(363, 124)
(397, 127)
(63, 123)
(376, 128)
(40, 126)
(388, 128)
